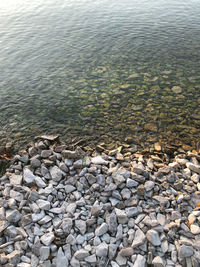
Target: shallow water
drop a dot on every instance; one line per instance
(100, 68)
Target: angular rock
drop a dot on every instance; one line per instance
(153, 237)
(101, 230)
(56, 174)
(28, 176)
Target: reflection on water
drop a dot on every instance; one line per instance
(100, 68)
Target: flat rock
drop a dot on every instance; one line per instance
(15, 179)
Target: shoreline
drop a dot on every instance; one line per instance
(75, 206)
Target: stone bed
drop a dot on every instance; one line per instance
(68, 208)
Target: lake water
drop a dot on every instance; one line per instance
(103, 69)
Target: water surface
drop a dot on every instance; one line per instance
(100, 68)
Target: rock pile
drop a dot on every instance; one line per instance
(66, 208)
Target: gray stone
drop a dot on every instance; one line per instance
(47, 238)
(126, 252)
(44, 253)
(46, 153)
(13, 216)
(28, 176)
(102, 250)
(186, 251)
(101, 230)
(121, 216)
(15, 179)
(56, 174)
(39, 182)
(140, 261)
(149, 185)
(131, 183)
(67, 225)
(78, 164)
(35, 162)
(81, 254)
(139, 239)
(195, 229)
(69, 188)
(14, 257)
(98, 160)
(161, 200)
(158, 262)
(69, 154)
(91, 259)
(61, 260)
(193, 167)
(81, 225)
(43, 204)
(153, 237)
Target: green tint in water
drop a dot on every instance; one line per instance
(122, 72)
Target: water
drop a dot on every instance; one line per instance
(102, 69)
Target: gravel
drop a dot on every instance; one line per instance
(62, 207)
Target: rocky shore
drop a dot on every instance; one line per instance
(61, 207)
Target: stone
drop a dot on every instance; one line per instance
(101, 230)
(153, 237)
(121, 216)
(149, 185)
(47, 238)
(195, 229)
(67, 225)
(126, 252)
(14, 257)
(44, 253)
(81, 225)
(28, 176)
(98, 160)
(46, 153)
(139, 239)
(161, 200)
(61, 259)
(91, 259)
(186, 251)
(193, 167)
(112, 222)
(158, 262)
(102, 250)
(121, 261)
(140, 261)
(81, 254)
(39, 182)
(56, 174)
(35, 162)
(177, 89)
(43, 204)
(140, 190)
(13, 216)
(67, 154)
(15, 179)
